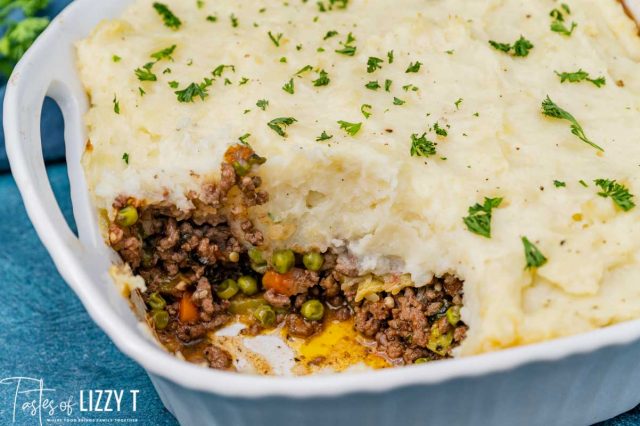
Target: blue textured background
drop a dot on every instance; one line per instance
(44, 330)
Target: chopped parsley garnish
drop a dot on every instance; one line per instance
(275, 38)
(279, 124)
(323, 137)
(212, 18)
(421, 146)
(550, 109)
(331, 4)
(227, 82)
(217, 72)
(304, 69)
(243, 80)
(397, 101)
(142, 92)
(390, 56)
(617, 192)
(347, 47)
(174, 84)
(243, 138)
(557, 21)
(479, 219)
(289, 87)
(373, 64)
(164, 53)
(234, 21)
(116, 58)
(521, 47)
(458, 102)
(408, 87)
(262, 104)
(194, 90)
(583, 183)
(170, 20)
(534, 257)
(283, 60)
(330, 34)
(578, 76)
(199, 4)
(439, 130)
(322, 80)
(373, 85)
(116, 104)
(350, 128)
(125, 157)
(559, 184)
(414, 67)
(365, 109)
(387, 84)
(145, 73)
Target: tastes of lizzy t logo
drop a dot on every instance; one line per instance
(30, 401)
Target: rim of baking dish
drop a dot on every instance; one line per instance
(159, 363)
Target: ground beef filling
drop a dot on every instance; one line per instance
(185, 258)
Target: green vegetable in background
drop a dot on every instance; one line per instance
(19, 34)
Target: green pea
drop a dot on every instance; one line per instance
(156, 301)
(313, 261)
(313, 310)
(227, 289)
(160, 319)
(245, 306)
(421, 360)
(283, 261)
(241, 167)
(439, 343)
(453, 315)
(265, 315)
(256, 256)
(127, 216)
(248, 285)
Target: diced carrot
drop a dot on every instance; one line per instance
(280, 283)
(188, 311)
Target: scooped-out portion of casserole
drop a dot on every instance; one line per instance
(367, 182)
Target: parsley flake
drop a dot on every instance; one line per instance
(365, 109)
(390, 56)
(116, 105)
(243, 138)
(559, 184)
(279, 124)
(550, 109)
(372, 85)
(323, 137)
(520, 48)
(414, 67)
(125, 158)
(262, 104)
(322, 80)
(330, 34)
(164, 53)
(421, 146)
(217, 72)
(578, 76)
(479, 219)
(397, 101)
(170, 20)
(533, 256)
(351, 128)
(439, 130)
(145, 73)
(275, 38)
(387, 85)
(194, 90)
(617, 192)
(373, 64)
(348, 48)
(289, 87)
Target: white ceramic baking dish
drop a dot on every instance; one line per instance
(575, 380)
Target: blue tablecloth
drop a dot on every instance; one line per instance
(45, 334)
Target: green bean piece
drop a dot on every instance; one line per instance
(156, 301)
(313, 310)
(256, 256)
(227, 289)
(245, 306)
(453, 315)
(265, 315)
(248, 285)
(313, 261)
(241, 167)
(421, 360)
(283, 261)
(127, 216)
(160, 319)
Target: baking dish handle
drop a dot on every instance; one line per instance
(45, 70)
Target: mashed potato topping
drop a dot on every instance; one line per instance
(383, 123)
